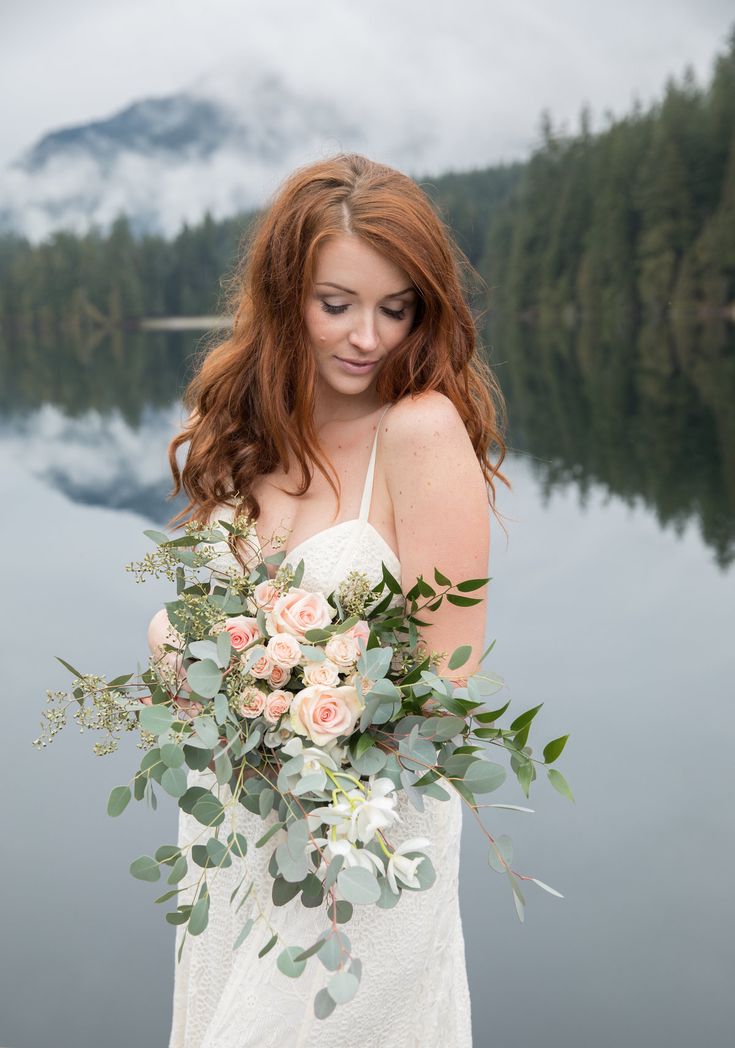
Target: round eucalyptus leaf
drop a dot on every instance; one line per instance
(288, 965)
(370, 762)
(388, 898)
(118, 801)
(343, 911)
(205, 678)
(173, 781)
(178, 871)
(283, 891)
(334, 951)
(167, 853)
(209, 810)
(358, 885)
(218, 852)
(156, 719)
(145, 868)
(343, 986)
(323, 1005)
(238, 844)
(189, 799)
(172, 755)
(291, 869)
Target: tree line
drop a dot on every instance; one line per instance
(637, 219)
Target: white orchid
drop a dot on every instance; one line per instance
(315, 757)
(404, 869)
(352, 856)
(357, 814)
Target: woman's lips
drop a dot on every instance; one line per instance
(357, 369)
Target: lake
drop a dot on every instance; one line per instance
(611, 602)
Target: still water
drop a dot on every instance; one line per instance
(611, 601)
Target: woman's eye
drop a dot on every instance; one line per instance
(395, 314)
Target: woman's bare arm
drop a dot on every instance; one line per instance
(442, 516)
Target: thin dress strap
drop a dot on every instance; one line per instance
(367, 491)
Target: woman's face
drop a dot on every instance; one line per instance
(361, 308)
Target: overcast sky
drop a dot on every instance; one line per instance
(486, 68)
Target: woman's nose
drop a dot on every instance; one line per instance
(365, 335)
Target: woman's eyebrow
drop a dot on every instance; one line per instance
(328, 283)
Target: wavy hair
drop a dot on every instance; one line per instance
(251, 399)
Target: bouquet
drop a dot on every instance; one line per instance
(312, 712)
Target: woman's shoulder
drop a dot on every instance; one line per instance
(418, 415)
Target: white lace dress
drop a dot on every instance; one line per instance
(413, 991)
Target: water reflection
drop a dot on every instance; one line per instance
(644, 412)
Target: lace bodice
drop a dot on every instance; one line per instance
(414, 991)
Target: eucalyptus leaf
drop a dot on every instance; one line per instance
(156, 719)
(358, 885)
(199, 918)
(205, 678)
(323, 1005)
(559, 783)
(546, 888)
(118, 800)
(145, 868)
(343, 986)
(288, 964)
(208, 810)
(173, 781)
(244, 932)
(484, 776)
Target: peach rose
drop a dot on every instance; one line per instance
(265, 595)
(342, 650)
(262, 667)
(280, 675)
(360, 631)
(297, 611)
(285, 650)
(243, 630)
(251, 701)
(324, 672)
(322, 712)
(276, 704)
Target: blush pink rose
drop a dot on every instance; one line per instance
(262, 667)
(322, 712)
(297, 611)
(265, 595)
(285, 650)
(251, 701)
(324, 672)
(280, 675)
(243, 630)
(276, 704)
(342, 650)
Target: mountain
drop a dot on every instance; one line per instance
(167, 160)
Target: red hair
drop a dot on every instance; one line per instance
(251, 401)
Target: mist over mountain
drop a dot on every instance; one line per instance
(220, 146)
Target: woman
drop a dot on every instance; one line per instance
(350, 414)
